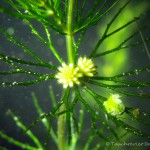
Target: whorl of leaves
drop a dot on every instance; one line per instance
(53, 14)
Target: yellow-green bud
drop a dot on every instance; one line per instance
(114, 105)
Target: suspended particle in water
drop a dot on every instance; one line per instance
(10, 31)
(136, 112)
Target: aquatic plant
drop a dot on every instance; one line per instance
(75, 71)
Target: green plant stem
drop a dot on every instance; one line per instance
(69, 33)
(61, 128)
(69, 46)
(62, 121)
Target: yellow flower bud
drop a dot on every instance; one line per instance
(114, 105)
(68, 75)
(86, 66)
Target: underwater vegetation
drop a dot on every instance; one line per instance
(74, 74)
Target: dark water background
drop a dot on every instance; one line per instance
(18, 98)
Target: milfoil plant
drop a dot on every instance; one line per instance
(91, 110)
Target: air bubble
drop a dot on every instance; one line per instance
(81, 111)
(46, 78)
(136, 72)
(17, 69)
(97, 113)
(3, 84)
(148, 69)
(14, 83)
